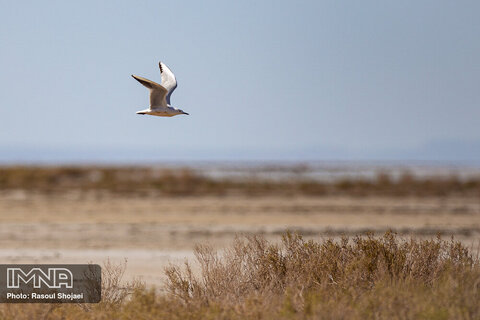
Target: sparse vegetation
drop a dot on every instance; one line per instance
(354, 278)
(148, 181)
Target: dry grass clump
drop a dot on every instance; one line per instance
(111, 179)
(144, 181)
(363, 277)
(409, 185)
(358, 278)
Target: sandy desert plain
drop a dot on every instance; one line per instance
(152, 216)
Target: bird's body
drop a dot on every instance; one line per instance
(160, 94)
(160, 112)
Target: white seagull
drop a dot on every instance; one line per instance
(160, 94)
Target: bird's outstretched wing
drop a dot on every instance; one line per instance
(158, 93)
(168, 79)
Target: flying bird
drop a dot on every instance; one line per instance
(160, 94)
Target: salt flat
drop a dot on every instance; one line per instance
(150, 232)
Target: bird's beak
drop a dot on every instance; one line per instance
(186, 113)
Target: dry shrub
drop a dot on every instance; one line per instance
(145, 181)
(254, 277)
(354, 278)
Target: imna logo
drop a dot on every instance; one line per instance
(53, 278)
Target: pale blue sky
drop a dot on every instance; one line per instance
(254, 75)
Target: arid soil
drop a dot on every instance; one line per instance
(150, 231)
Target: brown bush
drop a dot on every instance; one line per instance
(358, 278)
(254, 268)
(143, 181)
